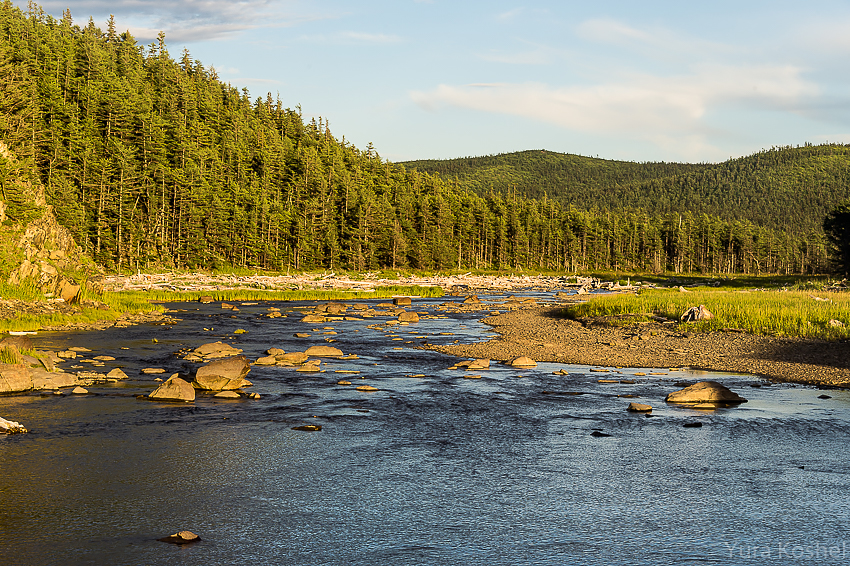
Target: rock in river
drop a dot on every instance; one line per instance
(523, 362)
(174, 389)
(183, 537)
(10, 427)
(14, 378)
(705, 392)
(323, 351)
(639, 408)
(222, 375)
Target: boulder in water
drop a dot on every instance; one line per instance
(523, 362)
(705, 392)
(221, 375)
(14, 378)
(408, 317)
(174, 389)
(183, 537)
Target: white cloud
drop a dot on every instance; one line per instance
(669, 112)
(186, 20)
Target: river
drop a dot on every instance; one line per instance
(435, 469)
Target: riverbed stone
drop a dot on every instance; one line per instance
(402, 301)
(14, 378)
(523, 362)
(292, 358)
(183, 537)
(408, 317)
(79, 391)
(220, 375)
(323, 351)
(227, 395)
(117, 373)
(483, 363)
(214, 350)
(43, 379)
(174, 389)
(266, 361)
(11, 427)
(639, 408)
(705, 392)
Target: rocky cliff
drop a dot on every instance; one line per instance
(37, 250)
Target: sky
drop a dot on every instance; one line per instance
(437, 79)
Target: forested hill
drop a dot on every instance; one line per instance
(153, 162)
(787, 188)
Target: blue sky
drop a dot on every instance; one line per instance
(638, 81)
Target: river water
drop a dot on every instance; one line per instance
(427, 470)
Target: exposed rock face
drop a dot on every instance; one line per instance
(323, 351)
(14, 378)
(174, 389)
(705, 392)
(223, 375)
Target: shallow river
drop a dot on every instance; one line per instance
(428, 470)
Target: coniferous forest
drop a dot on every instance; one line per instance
(153, 161)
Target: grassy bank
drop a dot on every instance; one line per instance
(37, 314)
(766, 312)
(282, 295)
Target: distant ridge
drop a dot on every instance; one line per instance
(785, 188)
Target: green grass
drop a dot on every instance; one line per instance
(765, 312)
(10, 355)
(138, 297)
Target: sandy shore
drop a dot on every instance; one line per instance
(543, 335)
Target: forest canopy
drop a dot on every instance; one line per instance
(154, 161)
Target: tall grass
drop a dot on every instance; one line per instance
(774, 312)
(136, 297)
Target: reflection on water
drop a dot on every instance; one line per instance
(434, 469)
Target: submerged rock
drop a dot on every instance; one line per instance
(174, 389)
(228, 395)
(183, 537)
(705, 392)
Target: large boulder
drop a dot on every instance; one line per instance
(20, 342)
(323, 351)
(221, 375)
(174, 389)
(15, 378)
(705, 392)
(408, 317)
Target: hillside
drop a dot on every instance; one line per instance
(152, 163)
(788, 188)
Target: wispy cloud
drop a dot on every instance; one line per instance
(189, 20)
(666, 111)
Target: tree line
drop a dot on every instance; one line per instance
(152, 161)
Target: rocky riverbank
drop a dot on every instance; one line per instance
(543, 334)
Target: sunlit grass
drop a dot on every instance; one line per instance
(139, 297)
(765, 312)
